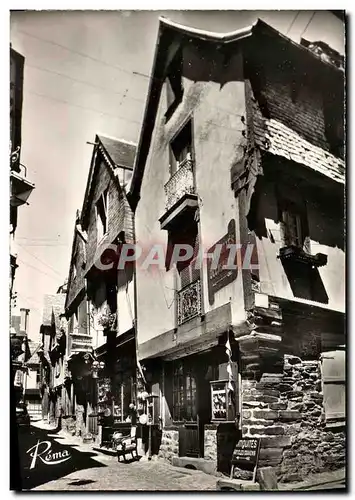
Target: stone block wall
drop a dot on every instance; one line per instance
(169, 447)
(286, 411)
(210, 444)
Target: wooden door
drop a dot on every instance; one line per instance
(189, 440)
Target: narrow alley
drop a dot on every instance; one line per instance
(61, 463)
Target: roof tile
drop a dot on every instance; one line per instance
(285, 142)
(121, 152)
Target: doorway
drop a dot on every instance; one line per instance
(191, 401)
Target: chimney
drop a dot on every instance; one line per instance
(24, 318)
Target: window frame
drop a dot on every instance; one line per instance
(333, 377)
(291, 209)
(180, 391)
(102, 204)
(184, 136)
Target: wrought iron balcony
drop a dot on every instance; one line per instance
(189, 302)
(180, 194)
(179, 184)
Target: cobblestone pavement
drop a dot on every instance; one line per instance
(142, 476)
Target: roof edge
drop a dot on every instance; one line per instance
(208, 35)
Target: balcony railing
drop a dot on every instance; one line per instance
(181, 183)
(189, 302)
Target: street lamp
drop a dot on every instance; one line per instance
(95, 367)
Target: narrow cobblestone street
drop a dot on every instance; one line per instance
(143, 476)
(109, 474)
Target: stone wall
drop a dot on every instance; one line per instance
(286, 411)
(210, 444)
(169, 447)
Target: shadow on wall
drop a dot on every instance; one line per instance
(323, 226)
(305, 282)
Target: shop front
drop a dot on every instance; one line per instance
(116, 387)
(201, 407)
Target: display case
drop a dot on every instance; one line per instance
(222, 404)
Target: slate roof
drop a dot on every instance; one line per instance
(53, 307)
(273, 136)
(121, 152)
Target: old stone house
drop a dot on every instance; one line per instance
(100, 299)
(242, 143)
(32, 381)
(52, 354)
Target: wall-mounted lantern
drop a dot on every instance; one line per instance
(95, 367)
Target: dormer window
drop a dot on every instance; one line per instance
(102, 215)
(174, 87)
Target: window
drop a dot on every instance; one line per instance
(102, 215)
(181, 147)
(123, 395)
(174, 88)
(333, 108)
(76, 320)
(188, 270)
(294, 227)
(74, 267)
(333, 382)
(82, 317)
(184, 393)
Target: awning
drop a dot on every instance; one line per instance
(120, 341)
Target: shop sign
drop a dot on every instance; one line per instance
(220, 277)
(246, 454)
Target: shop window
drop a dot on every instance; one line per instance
(181, 147)
(334, 391)
(102, 215)
(123, 396)
(184, 393)
(174, 87)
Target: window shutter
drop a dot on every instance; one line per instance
(333, 381)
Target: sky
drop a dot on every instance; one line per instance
(86, 72)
